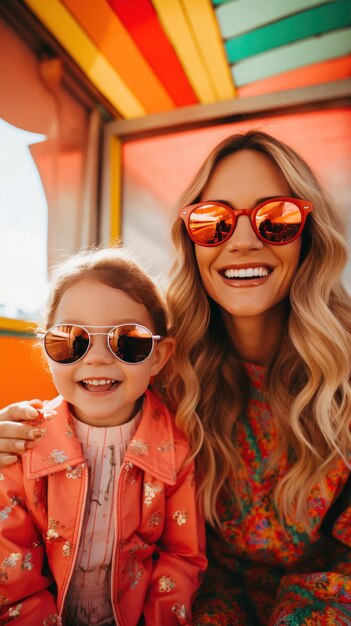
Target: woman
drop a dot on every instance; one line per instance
(262, 325)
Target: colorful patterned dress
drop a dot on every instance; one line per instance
(262, 574)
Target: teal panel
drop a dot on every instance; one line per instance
(218, 2)
(305, 24)
(286, 58)
(240, 16)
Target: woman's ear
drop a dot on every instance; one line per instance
(162, 351)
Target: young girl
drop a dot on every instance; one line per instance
(99, 523)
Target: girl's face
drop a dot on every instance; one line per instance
(244, 179)
(92, 303)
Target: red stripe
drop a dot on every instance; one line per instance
(140, 19)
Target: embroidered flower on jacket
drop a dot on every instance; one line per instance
(180, 610)
(135, 572)
(11, 560)
(155, 519)
(181, 517)
(150, 492)
(15, 611)
(4, 600)
(27, 562)
(139, 447)
(8, 563)
(166, 584)
(75, 472)
(67, 548)
(57, 456)
(131, 473)
(52, 533)
(5, 512)
(52, 620)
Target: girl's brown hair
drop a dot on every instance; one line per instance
(115, 268)
(307, 378)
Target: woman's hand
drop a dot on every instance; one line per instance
(16, 437)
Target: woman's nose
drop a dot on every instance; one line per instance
(244, 237)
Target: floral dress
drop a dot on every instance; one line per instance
(262, 572)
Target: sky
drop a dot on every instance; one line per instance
(23, 226)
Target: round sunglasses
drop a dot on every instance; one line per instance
(276, 221)
(68, 343)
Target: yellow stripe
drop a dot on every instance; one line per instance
(205, 30)
(80, 47)
(17, 325)
(175, 23)
(115, 153)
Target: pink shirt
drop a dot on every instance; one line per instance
(88, 599)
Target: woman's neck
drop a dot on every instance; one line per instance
(256, 338)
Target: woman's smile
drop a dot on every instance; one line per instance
(242, 276)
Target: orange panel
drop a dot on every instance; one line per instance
(115, 43)
(323, 138)
(140, 19)
(335, 69)
(23, 375)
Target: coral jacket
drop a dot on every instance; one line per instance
(159, 547)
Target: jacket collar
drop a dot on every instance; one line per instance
(152, 447)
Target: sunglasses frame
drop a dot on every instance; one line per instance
(305, 207)
(42, 336)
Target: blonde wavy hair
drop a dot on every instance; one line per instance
(308, 378)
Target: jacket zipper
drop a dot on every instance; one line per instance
(75, 555)
(115, 554)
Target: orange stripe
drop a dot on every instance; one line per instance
(140, 19)
(335, 69)
(102, 25)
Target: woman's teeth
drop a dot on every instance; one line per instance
(247, 272)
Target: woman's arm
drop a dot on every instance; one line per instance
(15, 434)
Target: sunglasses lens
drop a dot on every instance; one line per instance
(66, 343)
(131, 343)
(278, 221)
(210, 224)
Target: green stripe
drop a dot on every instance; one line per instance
(218, 2)
(242, 16)
(286, 58)
(306, 24)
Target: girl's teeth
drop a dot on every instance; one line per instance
(247, 272)
(100, 381)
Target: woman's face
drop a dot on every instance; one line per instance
(244, 179)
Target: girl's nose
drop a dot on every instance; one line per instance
(99, 351)
(244, 237)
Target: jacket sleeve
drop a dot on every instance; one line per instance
(322, 597)
(178, 571)
(24, 584)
